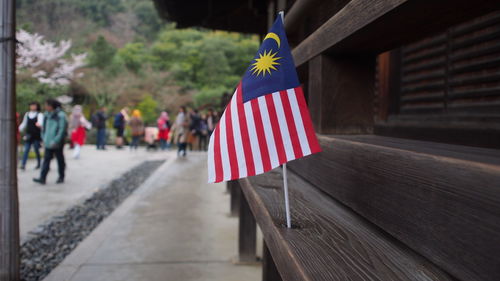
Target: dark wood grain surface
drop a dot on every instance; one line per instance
(374, 26)
(441, 200)
(342, 102)
(328, 241)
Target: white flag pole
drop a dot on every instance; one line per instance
(287, 202)
(285, 178)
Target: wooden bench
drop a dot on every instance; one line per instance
(364, 211)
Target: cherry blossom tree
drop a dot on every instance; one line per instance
(45, 59)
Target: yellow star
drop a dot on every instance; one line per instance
(264, 63)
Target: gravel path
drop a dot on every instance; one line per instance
(51, 242)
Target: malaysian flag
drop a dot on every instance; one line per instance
(267, 121)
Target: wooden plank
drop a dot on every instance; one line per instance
(476, 52)
(423, 108)
(429, 97)
(424, 87)
(476, 79)
(328, 241)
(475, 66)
(235, 193)
(434, 75)
(441, 200)
(477, 93)
(385, 25)
(437, 63)
(476, 134)
(342, 102)
(481, 108)
(433, 53)
(484, 22)
(425, 44)
(247, 235)
(471, 41)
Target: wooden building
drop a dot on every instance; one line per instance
(405, 99)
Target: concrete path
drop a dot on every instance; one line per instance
(95, 169)
(174, 227)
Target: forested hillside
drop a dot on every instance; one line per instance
(131, 56)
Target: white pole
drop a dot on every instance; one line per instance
(287, 202)
(285, 178)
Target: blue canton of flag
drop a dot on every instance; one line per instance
(273, 68)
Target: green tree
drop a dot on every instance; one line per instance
(210, 96)
(132, 56)
(101, 53)
(149, 21)
(149, 109)
(202, 59)
(30, 90)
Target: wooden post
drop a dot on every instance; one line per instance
(269, 270)
(341, 94)
(235, 192)
(389, 84)
(9, 212)
(247, 233)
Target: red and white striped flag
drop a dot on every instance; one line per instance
(260, 135)
(267, 121)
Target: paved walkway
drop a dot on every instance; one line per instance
(95, 169)
(174, 227)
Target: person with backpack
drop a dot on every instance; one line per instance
(32, 123)
(99, 122)
(55, 127)
(121, 119)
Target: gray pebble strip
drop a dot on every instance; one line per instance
(51, 242)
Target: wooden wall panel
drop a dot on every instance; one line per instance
(341, 94)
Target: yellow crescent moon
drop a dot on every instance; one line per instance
(274, 36)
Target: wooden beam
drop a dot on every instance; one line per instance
(247, 243)
(300, 10)
(374, 26)
(441, 200)
(9, 209)
(235, 193)
(269, 270)
(479, 132)
(388, 84)
(328, 241)
(341, 99)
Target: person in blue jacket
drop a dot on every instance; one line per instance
(55, 127)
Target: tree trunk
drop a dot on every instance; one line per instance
(9, 212)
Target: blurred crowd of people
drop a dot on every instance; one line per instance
(190, 130)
